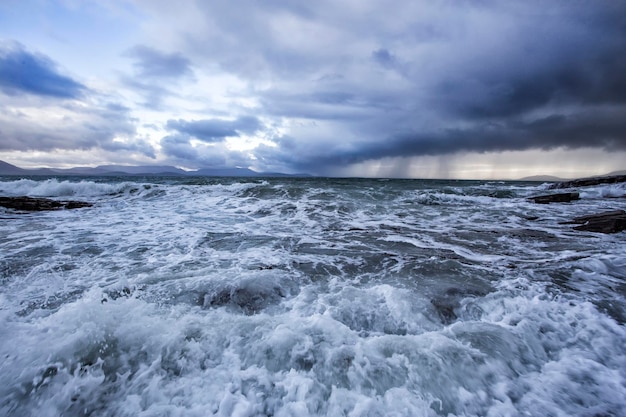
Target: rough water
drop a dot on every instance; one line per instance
(309, 297)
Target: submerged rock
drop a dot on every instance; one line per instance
(448, 305)
(250, 297)
(555, 198)
(607, 222)
(40, 204)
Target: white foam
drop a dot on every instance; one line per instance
(604, 191)
(431, 244)
(218, 300)
(56, 188)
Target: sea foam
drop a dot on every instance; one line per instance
(308, 297)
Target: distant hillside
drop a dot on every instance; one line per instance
(121, 170)
(225, 172)
(548, 178)
(142, 169)
(590, 181)
(622, 172)
(108, 170)
(8, 169)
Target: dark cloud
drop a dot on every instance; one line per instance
(603, 129)
(566, 54)
(594, 75)
(384, 57)
(24, 72)
(510, 77)
(136, 146)
(343, 103)
(156, 74)
(179, 148)
(152, 63)
(153, 93)
(215, 130)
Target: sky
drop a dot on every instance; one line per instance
(408, 88)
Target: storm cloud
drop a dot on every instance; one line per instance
(282, 85)
(152, 63)
(24, 72)
(215, 130)
(156, 74)
(556, 80)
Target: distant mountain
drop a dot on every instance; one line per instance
(622, 172)
(8, 169)
(542, 178)
(81, 171)
(225, 172)
(143, 169)
(121, 170)
(550, 178)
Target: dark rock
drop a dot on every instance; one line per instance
(555, 198)
(24, 203)
(445, 310)
(76, 204)
(608, 222)
(250, 297)
(530, 235)
(446, 304)
(586, 182)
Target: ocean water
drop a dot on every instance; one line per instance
(309, 297)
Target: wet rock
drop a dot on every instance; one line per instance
(586, 182)
(607, 222)
(449, 307)
(250, 297)
(76, 204)
(446, 304)
(555, 198)
(531, 235)
(24, 203)
(530, 218)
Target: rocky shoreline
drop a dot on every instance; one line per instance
(555, 198)
(606, 222)
(586, 182)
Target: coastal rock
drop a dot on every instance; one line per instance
(446, 304)
(607, 222)
(24, 203)
(555, 198)
(586, 182)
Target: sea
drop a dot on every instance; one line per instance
(204, 296)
